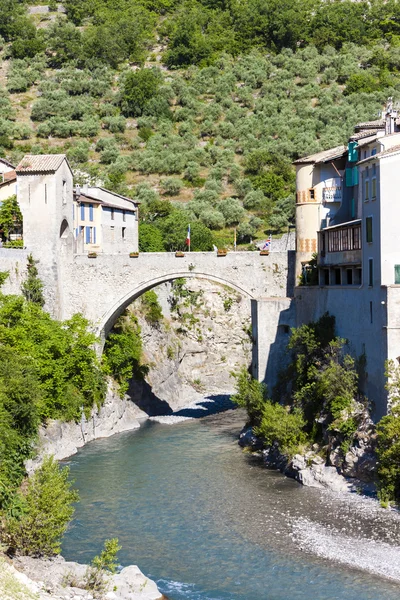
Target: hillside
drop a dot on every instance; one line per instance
(198, 109)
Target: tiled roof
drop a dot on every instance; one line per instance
(324, 156)
(379, 124)
(392, 150)
(40, 163)
(366, 133)
(10, 176)
(6, 162)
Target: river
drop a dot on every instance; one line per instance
(207, 522)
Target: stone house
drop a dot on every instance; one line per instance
(348, 212)
(94, 218)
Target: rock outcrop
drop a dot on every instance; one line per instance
(57, 579)
(63, 439)
(311, 470)
(203, 337)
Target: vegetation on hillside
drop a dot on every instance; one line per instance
(248, 87)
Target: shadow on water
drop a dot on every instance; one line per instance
(211, 405)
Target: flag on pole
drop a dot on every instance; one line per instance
(267, 244)
(188, 237)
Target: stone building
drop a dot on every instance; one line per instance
(348, 210)
(105, 221)
(94, 218)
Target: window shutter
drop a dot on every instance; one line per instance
(397, 274)
(82, 212)
(355, 175)
(94, 235)
(87, 235)
(349, 177)
(90, 212)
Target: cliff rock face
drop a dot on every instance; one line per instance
(204, 336)
(63, 439)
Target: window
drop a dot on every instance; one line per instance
(311, 194)
(123, 215)
(357, 276)
(338, 278)
(325, 277)
(370, 272)
(366, 190)
(82, 212)
(368, 229)
(64, 192)
(90, 212)
(349, 276)
(90, 237)
(373, 188)
(373, 152)
(397, 274)
(112, 214)
(123, 233)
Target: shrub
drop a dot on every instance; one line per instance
(46, 510)
(171, 186)
(150, 238)
(32, 287)
(95, 578)
(123, 351)
(151, 308)
(250, 394)
(279, 425)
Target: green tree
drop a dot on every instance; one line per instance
(10, 217)
(251, 395)
(138, 89)
(123, 351)
(46, 510)
(32, 287)
(150, 238)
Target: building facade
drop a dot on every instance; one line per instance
(348, 209)
(96, 219)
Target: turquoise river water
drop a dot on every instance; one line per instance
(207, 522)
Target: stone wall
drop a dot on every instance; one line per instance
(14, 261)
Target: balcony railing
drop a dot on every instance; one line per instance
(341, 238)
(332, 194)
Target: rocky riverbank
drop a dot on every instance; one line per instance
(356, 472)
(27, 578)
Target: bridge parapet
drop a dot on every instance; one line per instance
(102, 287)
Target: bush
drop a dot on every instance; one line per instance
(150, 238)
(123, 351)
(46, 510)
(282, 427)
(95, 578)
(171, 186)
(251, 395)
(151, 308)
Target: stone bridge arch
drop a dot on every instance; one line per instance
(115, 311)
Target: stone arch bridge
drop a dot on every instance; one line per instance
(102, 287)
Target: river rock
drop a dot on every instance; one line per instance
(247, 439)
